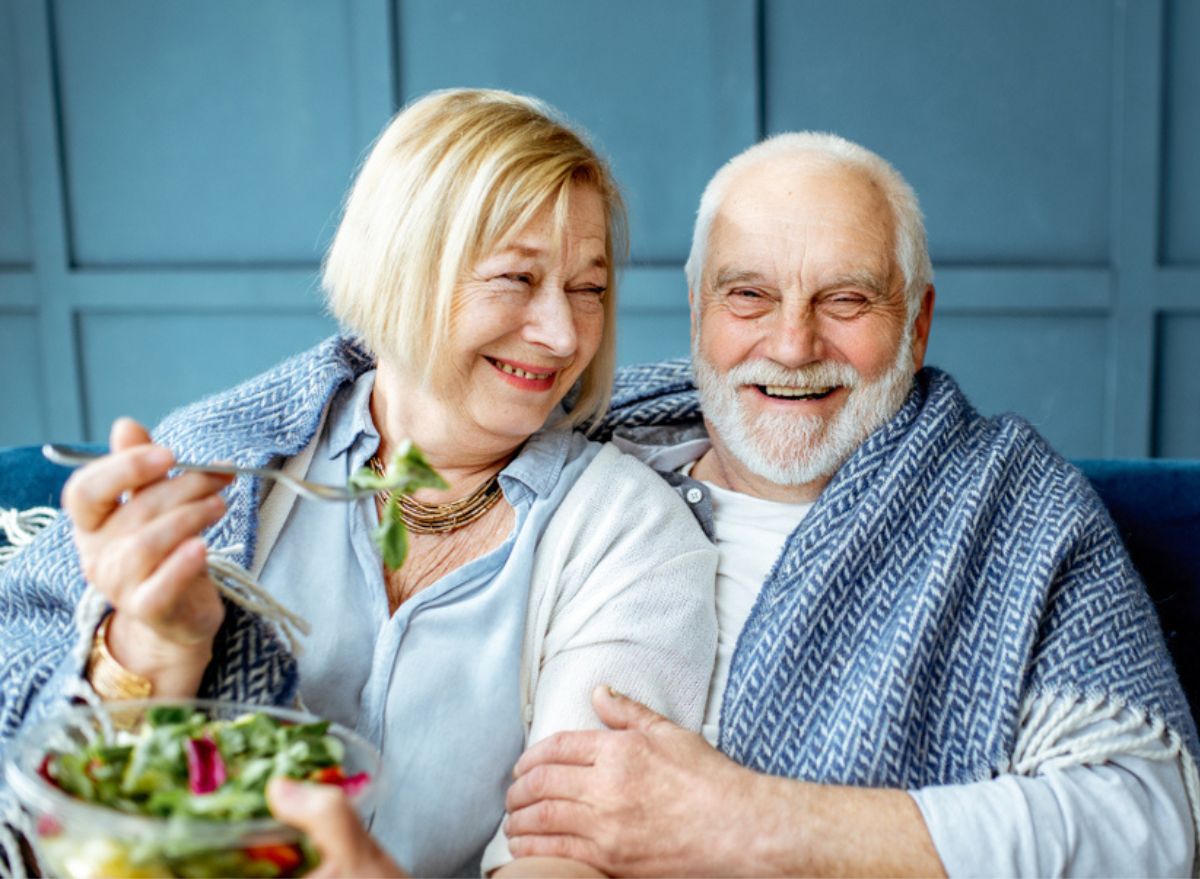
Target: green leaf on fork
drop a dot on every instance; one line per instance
(407, 472)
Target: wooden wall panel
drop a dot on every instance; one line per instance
(1049, 369)
(20, 379)
(1181, 171)
(653, 318)
(998, 114)
(15, 247)
(206, 131)
(144, 364)
(648, 335)
(1177, 428)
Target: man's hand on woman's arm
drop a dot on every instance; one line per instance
(649, 798)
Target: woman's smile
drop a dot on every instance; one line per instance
(525, 376)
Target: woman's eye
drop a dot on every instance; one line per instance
(596, 291)
(514, 279)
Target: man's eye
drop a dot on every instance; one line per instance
(589, 290)
(745, 293)
(845, 304)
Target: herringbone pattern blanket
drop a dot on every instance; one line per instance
(955, 571)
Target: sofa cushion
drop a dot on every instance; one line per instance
(1156, 507)
(27, 479)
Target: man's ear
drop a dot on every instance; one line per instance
(921, 328)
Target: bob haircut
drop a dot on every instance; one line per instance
(451, 177)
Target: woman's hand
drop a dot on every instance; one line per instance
(137, 533)
(322, 811)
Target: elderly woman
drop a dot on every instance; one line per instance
(474, 270)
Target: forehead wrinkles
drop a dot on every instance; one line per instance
(782, 249)
(552, 236)
(789, 206)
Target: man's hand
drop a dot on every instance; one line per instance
(643, 798)
(646, 798)
(322, 811)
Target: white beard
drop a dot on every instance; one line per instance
(788, 449)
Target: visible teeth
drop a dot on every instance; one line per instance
(788, 391)
(520, 373)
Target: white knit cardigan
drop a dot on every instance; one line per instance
(621, 594)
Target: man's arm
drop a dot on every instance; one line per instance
(648, 798)
(1128, 815)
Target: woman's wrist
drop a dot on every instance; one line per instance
(170, 669)
(111, 680)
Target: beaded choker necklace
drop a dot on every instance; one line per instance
(422, 518)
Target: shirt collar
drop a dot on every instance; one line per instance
(664, 446)
(539, 462)
(350, 420)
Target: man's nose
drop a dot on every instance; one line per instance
(551, 322)
(795, 338)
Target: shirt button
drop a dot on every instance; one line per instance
(694, 495)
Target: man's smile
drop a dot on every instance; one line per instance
(788, 392)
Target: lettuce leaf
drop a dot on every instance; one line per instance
(407, 472)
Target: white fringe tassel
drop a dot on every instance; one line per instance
(20, 527)
(1047, 719)
(237, 584)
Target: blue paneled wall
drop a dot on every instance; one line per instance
(170, 174)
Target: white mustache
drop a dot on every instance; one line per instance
(822, 374)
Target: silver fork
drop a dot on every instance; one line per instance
(70, 457)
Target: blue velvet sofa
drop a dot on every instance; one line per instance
(1156, 505)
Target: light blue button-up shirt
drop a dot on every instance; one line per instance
(436, 685)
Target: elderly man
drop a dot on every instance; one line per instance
(934, 653)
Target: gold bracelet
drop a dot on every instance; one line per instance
(111, 680)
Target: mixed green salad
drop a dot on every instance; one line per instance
(183, 766)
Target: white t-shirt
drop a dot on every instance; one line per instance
(750, 534)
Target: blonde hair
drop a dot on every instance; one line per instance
(912, 249)
(451, 176)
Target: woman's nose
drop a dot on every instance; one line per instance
(551, 323)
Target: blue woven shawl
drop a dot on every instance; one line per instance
(954, 574)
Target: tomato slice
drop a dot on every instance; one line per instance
(285, 857)
(328, 775)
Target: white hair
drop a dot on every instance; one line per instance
(912, 250)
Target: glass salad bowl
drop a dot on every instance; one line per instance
(175, 787)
